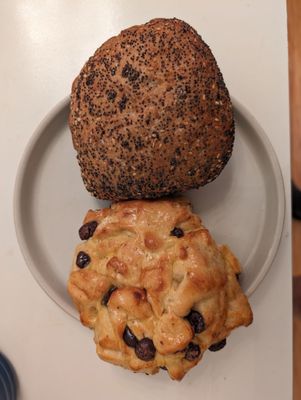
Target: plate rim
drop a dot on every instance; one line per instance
(33, 139)
(21, 170)
(280, 193)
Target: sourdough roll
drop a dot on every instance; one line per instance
(150, 113)
(154, 286)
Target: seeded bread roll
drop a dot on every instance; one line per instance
(150, 113)
(155, 287)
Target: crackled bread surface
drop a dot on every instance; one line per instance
(150, 113)
(155, 287)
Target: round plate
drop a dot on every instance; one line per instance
(243, 207)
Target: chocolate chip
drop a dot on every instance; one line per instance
(87, 230)
(82, 259)
(192, 351)
(238, 277)
(129, 338)
(145, 349)
(178, 232)
(164, 368)
(107, 296)
(196, 320)
(218, 346)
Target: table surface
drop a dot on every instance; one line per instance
(44, 45)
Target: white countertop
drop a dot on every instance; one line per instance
(43, 46)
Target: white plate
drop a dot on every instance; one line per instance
(243, 207)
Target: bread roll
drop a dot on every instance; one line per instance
(150, 114)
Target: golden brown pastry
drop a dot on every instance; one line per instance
(155, 287)
(150, 113)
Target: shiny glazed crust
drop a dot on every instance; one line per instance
(159, 278)
(150, 113)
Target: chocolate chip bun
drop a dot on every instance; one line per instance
(150, 114)
(155, 287)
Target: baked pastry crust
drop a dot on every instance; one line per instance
(150, 114)
(145, 276)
